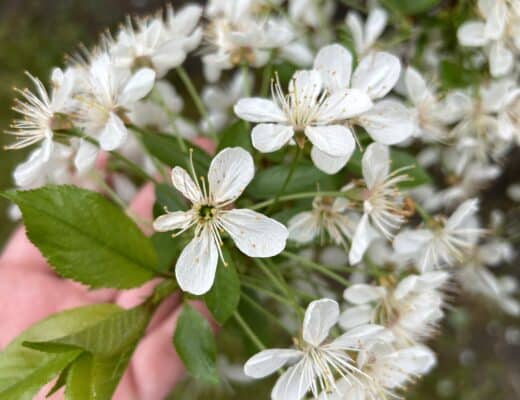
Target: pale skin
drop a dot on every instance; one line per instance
(31, 291)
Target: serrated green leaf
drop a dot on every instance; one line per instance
(267, 183)
(23, 370)
(223, 298)
(167, 149)
(195, 345)
(85, 237)
(236, 135)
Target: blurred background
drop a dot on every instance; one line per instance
(479, 350)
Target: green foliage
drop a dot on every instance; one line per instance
(236, 135)
(85, 237)
(400, 159)
(195, 345)
(306, 177)
(24, 370)
(223, 298)
(170, 152)
(411, 7)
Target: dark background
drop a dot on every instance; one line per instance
(479, 350)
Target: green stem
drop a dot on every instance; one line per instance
(196, 98)
(263, 311)
(425, 215)
(316, 267)
(247, 283)
(299, 196)
(248, 331)
(292, 168)
(266, 79)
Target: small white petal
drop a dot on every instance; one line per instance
(85, 157)
(230, 172)
(267, 138)
(376, 74)
(172, 221)
(334, 140)
(417, 88)
(137, 87)
(375, 164)
(255, 234)
(184, 184)
(28, 172)
(303, 227)
(269, 361)
(294, 383)
(355, 24)
(355, 316)
(320, 317)
(363, 236)
(113, 134)
(501, 59)
(256, 109)
(344, 104)
(472, 34)
(375, 25)
(335, 64)
(356, 337)
(196, 266)
(388, 122)
(306, 85)
(329, 164)
(362, 293)
(462, 213)
(409, 241)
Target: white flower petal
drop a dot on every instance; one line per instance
(357, 337)
(294, 383)
(409, 241)
(344, 104)
(417, 88)
(86, 156)
(256, 109)
(496, 20)
(501, 59)
(375, 164)
(334, 140)
(329, 164)
(356, 316)
(230, 172)
(355, 24)
(388, 122)
(376, 74)
(113, 134)
(267, 138)
(462, 213)
(255, 234)
(306, 85)
(361, 293)
(335, 64)
(375, 25)
(31, 170)
(137, 87)
(320, 317)
(472, 34)
(184, 184)
(172, 221)
(269, 361)
(303, 227)
(196, 266)
(363, 236)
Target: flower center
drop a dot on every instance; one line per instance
(206, 212)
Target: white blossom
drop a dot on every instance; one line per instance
(366, 34)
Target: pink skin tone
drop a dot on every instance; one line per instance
(31, 291)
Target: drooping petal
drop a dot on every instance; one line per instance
(184, 184)
(256, 109)
(356, 316)
(471, 34)
(267, 138)
(294, 383)
(376, 74)
(303, 227)
(363, 236)
(328, 164)
(85, 157)
(269, 361)
(462, 213)
(320, 317)
(137, 87)
(253, 233)
(172, 221)
(113, 134)
(375, 25)
(362, 293)
(196, 266)
(388, 122)
(375, 164)
(230, 172)
(30, 171)
(335, 64)
(334, 140)
(411, 241)
(501, 59)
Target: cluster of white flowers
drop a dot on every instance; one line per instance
(346, 111)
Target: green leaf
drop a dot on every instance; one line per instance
(195, 345)
(168, 150)
(267, 183)
(236, 135)
(223, 298)
(167, 196)
(85, 237)
(454, 75)
(418, 175)
(411, 7)
(168, 250)
(23, 370)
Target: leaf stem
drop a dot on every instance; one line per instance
(248, 331)
(298, 196)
